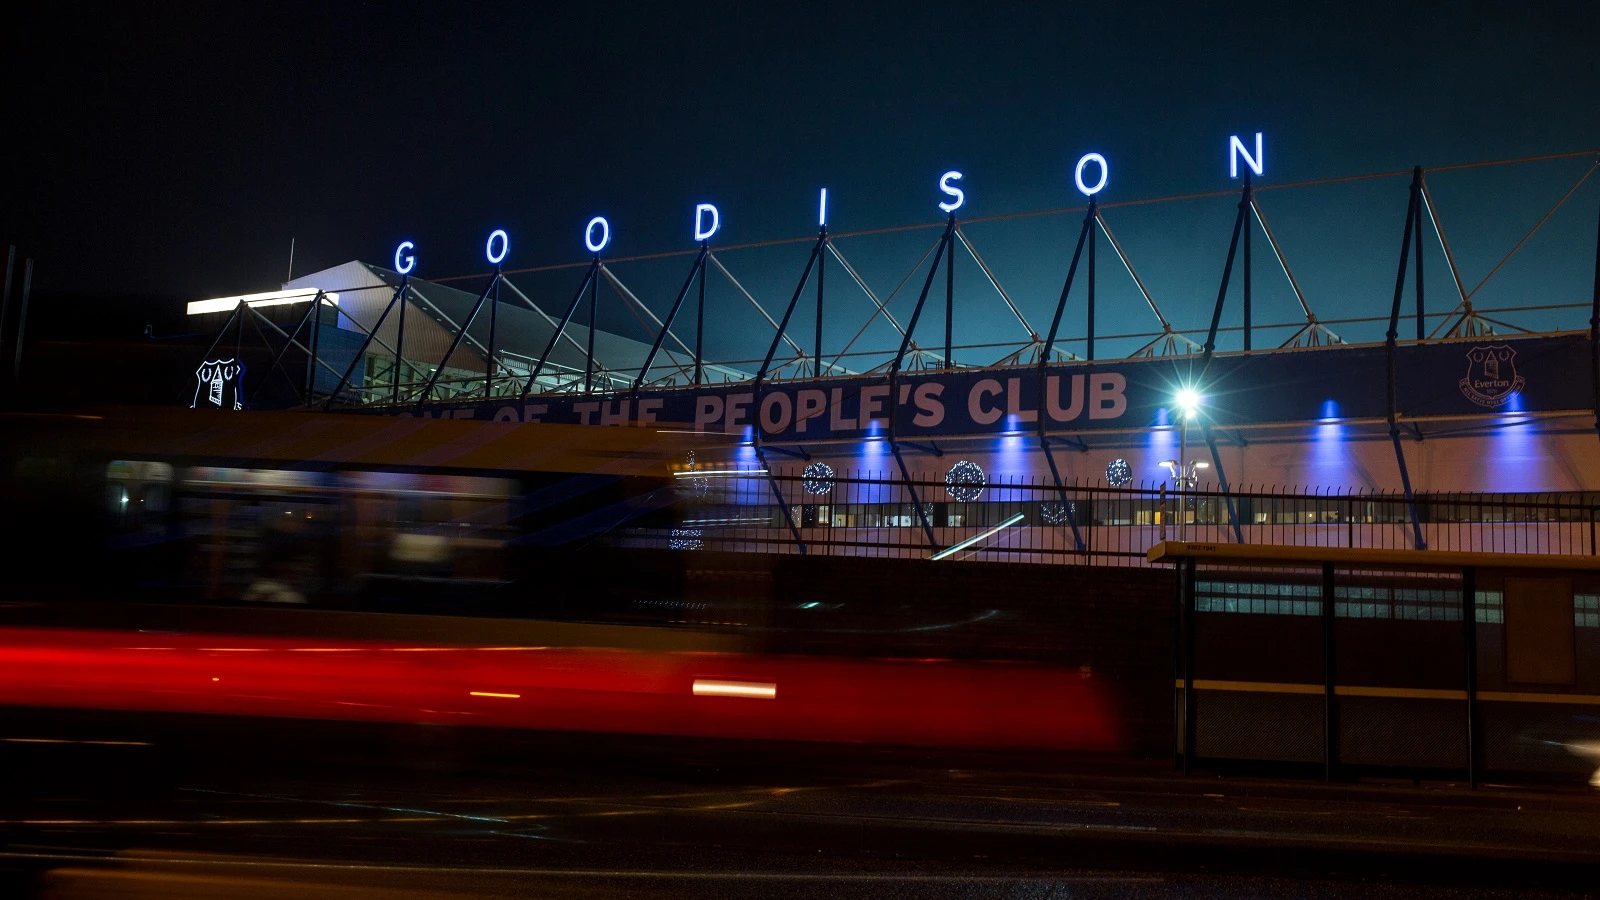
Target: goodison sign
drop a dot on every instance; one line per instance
(1090, 175)
(1315, 385)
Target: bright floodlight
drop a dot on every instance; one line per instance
(1188, 401)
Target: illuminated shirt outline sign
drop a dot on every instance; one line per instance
(1236, 149)
(505, 246)
(217, 384)
(605, 234)
(410, 258)
(701, 232)
(960, 196)
(1105, 174)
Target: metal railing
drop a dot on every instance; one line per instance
(1029, 519)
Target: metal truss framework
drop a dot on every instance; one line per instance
(507, 373)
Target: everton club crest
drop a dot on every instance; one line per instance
(1491, 375)
(217, 384)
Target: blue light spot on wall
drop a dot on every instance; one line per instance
(1514, 461)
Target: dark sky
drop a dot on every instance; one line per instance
(177, 148)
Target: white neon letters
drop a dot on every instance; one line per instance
(400, 253)
(702, 232)
(822, 209)
(593, 245)
(1236, 149)
(951, 206)
(505, 246)
(1105, 174)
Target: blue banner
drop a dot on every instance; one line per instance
(1455, 378)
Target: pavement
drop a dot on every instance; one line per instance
(137, 805)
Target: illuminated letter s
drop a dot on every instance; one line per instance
(951, 206)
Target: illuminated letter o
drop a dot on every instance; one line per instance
(410, 258)
(505, 246)
(1105, 173)
(605, 234)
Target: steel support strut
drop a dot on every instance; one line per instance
(1241, 223)
(311, 359)
(455, 342)
(277, 358)
(666, 324)
(1594, 331)
(949, 293)
(766, 364)
(1222, 291)
(1222, 481)
(894, 384)
(1044, 376)
(788, 312)
(783, 503)
(700, 329)
(1416, 174)
(399, 352)
(1249, 205)
(366, 342)
(1088, 350)
(822, 260)
(589, 369)
(494, 319)
(1390, 347)
(566, 317)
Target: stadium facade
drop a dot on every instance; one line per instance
(1456, 408)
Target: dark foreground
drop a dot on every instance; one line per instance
(99, 805)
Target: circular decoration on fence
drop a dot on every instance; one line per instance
(965, 481)
(694, 487)
(687, 539)
(1055, 512)
(817, 478)
(1119, 473)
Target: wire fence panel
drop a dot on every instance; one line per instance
(876, 512)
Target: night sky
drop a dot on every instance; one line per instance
(177, 148)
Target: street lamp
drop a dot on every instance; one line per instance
(1189, 476)
(1188, 400)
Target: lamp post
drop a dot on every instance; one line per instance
(1188, 402)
